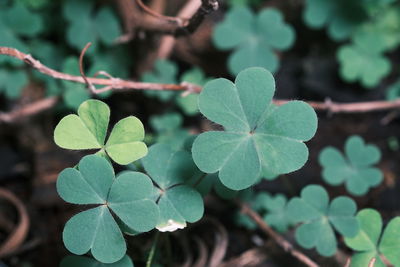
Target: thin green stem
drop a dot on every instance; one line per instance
(152, 250)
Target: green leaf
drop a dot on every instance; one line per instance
(79, 261)
(164, 71)
(257, 134)
(319, 219)
(12, 82)
(22, 21)
(354, 168)
(169, 130)
(179, 203)
(367, 66)
(86, 25)
(129, 197)
(89, 129)
(340, 17)
(125, 142)
(367, 239)
(254, 38)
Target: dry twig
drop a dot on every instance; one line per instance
(282, 242)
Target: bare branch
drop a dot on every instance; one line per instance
(117, 84)
(282, 242)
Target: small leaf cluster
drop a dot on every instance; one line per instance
(319, 218)
(254, 38)
(354, 169)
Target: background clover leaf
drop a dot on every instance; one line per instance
(12, 82)
(80, 261)
(341, 17)
(164, 71)
(168, 128)
(178, 202)
(254, 38)
(257, 134)
(85, 25)
(354, 168)
(370, 244)
(363, 60)
(88, 130)
(129, 196)
(319, 218)
(271, 208)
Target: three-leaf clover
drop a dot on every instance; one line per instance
(164, 71)
(178, 202)
(254, 38)
(319, 217)
(128, 196)
(341, 17)
(88, 26)
(363, 60)
(89, 129)
(81, 261)
(257, 133)
(371, 243)
(354, 169)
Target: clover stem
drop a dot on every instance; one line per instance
(152, 250)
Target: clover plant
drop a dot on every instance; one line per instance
(319, 218)
(88, 130)
(355, 168)
(370, 242)
(254, 38)
(128, 196)
(178, 202)
(254, 129)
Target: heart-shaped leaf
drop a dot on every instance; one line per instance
(129, 196)
(369, 244)
(89, 129)
(257, 133)
(354, 169)
(254, 38)
(79, 261)
(178, 202)
(319, 218)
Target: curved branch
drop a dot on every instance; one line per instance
(117, 84)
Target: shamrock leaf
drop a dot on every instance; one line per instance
(253, 38)
(80, 261)
(89, 129)
(257, 133)
(393, 92)
(169, 130)
(165, 71)
(370, 244)
(178, 202)
(319, 218)
(85, 25)
(211, 182)
(341, 17)
(354, 169)
(363, 60)
(188, 103)
(128, 197)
